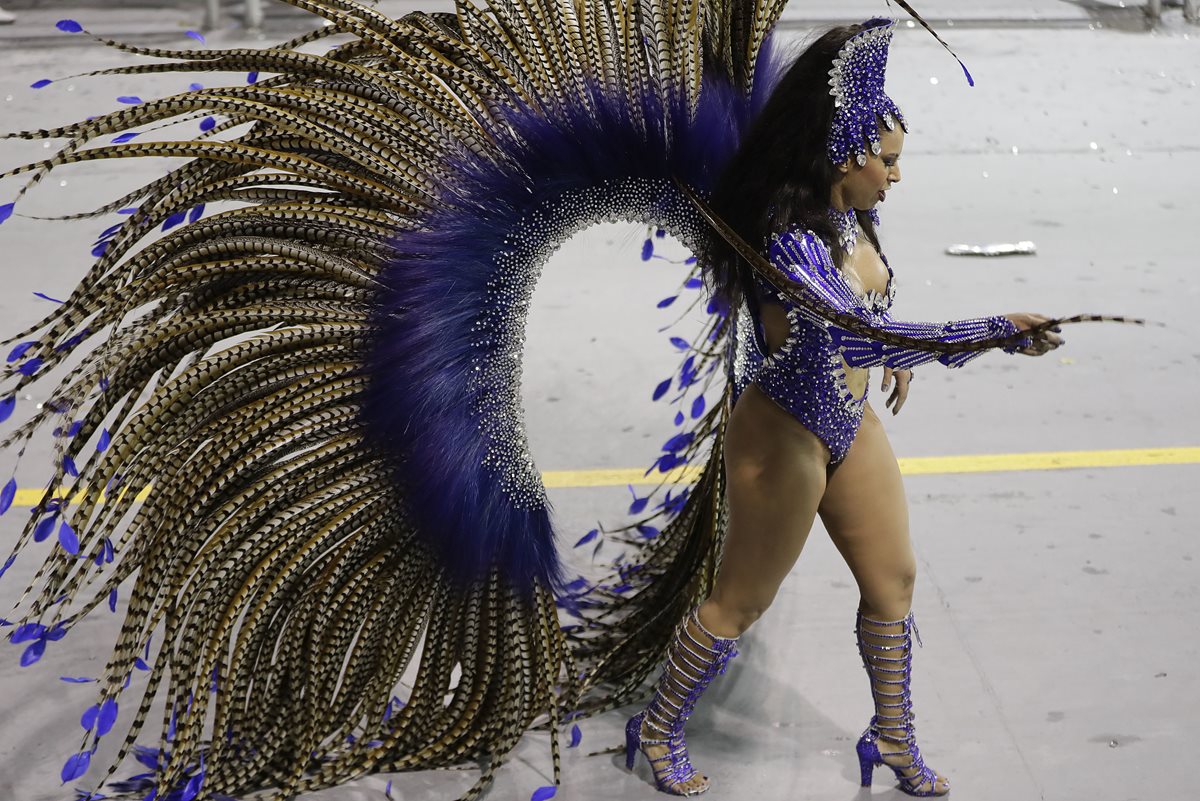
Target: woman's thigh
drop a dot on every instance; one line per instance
(775, 472)
(866, 514)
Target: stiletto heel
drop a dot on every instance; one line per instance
(691, 666)
(633, 738)
(868, 758)
(887, 657)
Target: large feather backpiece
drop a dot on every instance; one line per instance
(338, 494)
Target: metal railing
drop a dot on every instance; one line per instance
(252, 17)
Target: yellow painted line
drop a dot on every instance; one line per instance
(31, 497)
(573, 479)
(916, 466)
(910, 466)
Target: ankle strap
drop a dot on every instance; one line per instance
(908, 625)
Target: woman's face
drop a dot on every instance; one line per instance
(864, 187)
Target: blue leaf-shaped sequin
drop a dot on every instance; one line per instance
(126, 137)
(252, 77)
(666, 462)
(33, 653)
(44, 527)
(678, 442)
(108, 550)
(4, 569)
(26, 632)
(199, 37)
(20, 350)
(678, 418)
(196, 213)
(7, 495)
(638, 506)
(107, 717)
(88, 719)
(112, 600)
(69, 467)
(661, 389)
(680, 343)
(130, 210)
(697, 407)
(694, 283)
(105, 440)
(57, 632)
(44, 296)
(69, 26)
(130, 100)
(586, 538)
(76, 766)
(542, 793)
(195, 87)
(174, 220)
(68, 539)
(42, 84)
(665, 302)
(649, 532)
(141, 664)
(30, 367)
(76, 679)
(387, 790)
(688, 370)
(690, 260)
(576, 736)
(647, 249)
(208, 123)
(75, 428)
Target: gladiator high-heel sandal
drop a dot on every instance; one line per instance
(695, 658)
(886, 649)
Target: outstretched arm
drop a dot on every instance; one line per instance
(807, 261)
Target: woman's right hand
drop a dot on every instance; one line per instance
(1040, 343)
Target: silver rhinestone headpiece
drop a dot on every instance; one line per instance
(856, 83)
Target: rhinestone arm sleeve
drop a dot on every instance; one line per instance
(807, 260)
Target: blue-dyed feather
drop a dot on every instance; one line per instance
(76, 766)
(44, 527)
(107, 717)
(420, 405)
(33, 652)
(7, 495)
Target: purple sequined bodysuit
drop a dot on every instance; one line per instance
(807, 375)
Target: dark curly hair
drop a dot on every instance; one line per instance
(780, 175)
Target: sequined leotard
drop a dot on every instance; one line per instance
(807, 374)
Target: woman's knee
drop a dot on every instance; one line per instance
(888, 594)
(731, 617)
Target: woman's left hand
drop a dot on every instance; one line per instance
(900, 393)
